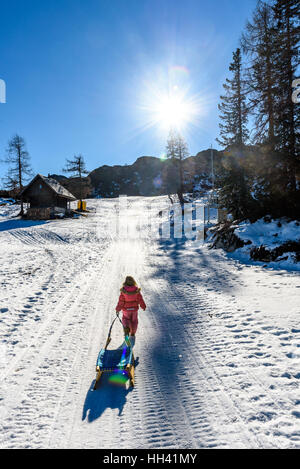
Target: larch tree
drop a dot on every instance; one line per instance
(77, 168)
(20, 169)
(177, 151)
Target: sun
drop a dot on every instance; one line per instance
(173, 111)
(168, 107)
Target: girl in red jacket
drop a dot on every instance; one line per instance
(129, 302)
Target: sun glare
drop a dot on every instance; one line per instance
(173, 109)
(167, 103)
(173, 112)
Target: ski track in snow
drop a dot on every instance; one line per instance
(217, 350)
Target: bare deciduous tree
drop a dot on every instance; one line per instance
(177, 151)
(77, 168)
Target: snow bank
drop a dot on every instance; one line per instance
(8, 209)
(271, 234)
(275, 242)
(9, 201)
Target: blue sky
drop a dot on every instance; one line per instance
(82, 76)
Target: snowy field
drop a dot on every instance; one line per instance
(217, 350)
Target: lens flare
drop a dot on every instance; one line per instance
(157, 182)
(119, 377)
(179, 70)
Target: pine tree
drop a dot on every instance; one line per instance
(233, 108)
(258, 42)
(19, 170)
(287, 15)
(234, 183)
(264, 181)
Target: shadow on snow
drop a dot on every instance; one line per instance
(16, 224)
(107, 396)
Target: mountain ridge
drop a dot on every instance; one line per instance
(147, 176)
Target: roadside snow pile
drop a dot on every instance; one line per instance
(8, 209)
(201, 183)
(266, 240)
(6, 201)
(268, 232)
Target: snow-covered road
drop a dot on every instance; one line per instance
(217, 350)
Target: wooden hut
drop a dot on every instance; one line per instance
(46, 198)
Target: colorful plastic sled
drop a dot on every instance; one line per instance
(119, 361)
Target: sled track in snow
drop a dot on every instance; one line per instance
(64, 433)
(54, 316)
(37, 236)
(210, 384)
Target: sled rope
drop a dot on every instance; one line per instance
(110, 329)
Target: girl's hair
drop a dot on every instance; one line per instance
(129, 282)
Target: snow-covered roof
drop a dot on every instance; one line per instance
(54, 185)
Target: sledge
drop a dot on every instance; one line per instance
(119, 361)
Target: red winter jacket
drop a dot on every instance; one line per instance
(130, 299)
